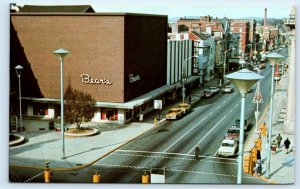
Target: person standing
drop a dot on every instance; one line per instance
(141, 117)
(273, 147)
(197, 151)
(287, 145)
(278, 139)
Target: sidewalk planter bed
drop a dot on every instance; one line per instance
(82, 132)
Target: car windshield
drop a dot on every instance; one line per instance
(173, 111)
(183, 105)
(232, 131)
(227, 144)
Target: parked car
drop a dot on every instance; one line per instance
(227, 89)
(214, 90)
(246, 124)
(185, 107)
(228, 148)
(233, 133)
(207, 93)
(174, 113)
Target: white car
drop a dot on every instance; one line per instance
(228, 148)
(214, 90)
(227, 89)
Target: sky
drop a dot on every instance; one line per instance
(181, 8)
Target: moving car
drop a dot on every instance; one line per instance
(185, 107)
(227, 89)
(233, 133)
(207, 93)
(228, 148)
(276, 78)
(214, 90)
(174, 113)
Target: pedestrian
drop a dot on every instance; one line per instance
(190, 100)
(273, 147)
(278, 139)
(287, 145)
(197, 151)
(141, 117)
(258, 167)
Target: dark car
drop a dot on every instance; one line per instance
(246, 124)
(207, 93)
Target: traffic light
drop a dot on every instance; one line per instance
(254, 154)
(258, 144)
(47, 172)
(47, 176)
(145, 178)
(248, 164)
(96, 177)
(263, 129)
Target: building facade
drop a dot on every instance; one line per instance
(117, 58)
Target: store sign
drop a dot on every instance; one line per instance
(85, 78)
(133, 78)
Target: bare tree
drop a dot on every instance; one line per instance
(79, 107)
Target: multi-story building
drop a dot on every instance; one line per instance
(180, 64)
(130, 69)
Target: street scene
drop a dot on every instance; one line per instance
(141, 98)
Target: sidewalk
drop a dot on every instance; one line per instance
(46, 145)
(281, 164)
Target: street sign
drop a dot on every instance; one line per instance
(158, 104)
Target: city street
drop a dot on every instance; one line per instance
(169, 148)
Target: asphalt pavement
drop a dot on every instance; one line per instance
(43, 145)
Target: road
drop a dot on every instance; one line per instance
(169, 148)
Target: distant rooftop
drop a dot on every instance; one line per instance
(58, 8)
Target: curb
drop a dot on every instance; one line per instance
(94, 161)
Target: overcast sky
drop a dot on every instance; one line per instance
(180, 8)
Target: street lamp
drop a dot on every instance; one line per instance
(243, 80)
(274, 58)
(225, 56)
(61, 53)
(184, 76)
(19, 69)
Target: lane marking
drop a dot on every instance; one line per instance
(185, 133)
(230, 161)
(169, 153)
(173, 170)
(208, 133)
(230, 110)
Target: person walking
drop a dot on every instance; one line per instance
(190, 99)
(141, 117)
(278, 139)
(197, 151)
(287, 145)
(273, 147)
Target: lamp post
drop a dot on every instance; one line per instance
(19, 69)
(184, 76)
(274, 58)
(61, 53)
(243, 80)
(225, 57)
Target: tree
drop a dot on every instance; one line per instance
(79, 107)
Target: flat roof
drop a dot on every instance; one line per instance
(83, 14)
